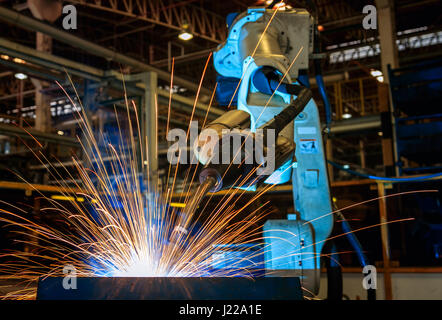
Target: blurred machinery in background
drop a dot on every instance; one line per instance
(416, 92)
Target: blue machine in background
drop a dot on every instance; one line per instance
(416, 93)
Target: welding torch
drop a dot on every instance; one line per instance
(243, 163)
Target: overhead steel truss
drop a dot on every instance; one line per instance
(167, 13)
(405, 41)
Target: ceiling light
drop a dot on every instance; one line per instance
(18, 60)
(4, 57)
(21, 76)
(346, 166)
(60, 133)
(346, 116)
(185, 36)
(380, 79)
(375, 73)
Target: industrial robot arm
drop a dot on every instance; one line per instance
(261, 57)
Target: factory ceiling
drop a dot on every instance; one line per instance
(148, 30)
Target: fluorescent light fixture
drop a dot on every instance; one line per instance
(186, 36)
(346, 116)
(21, 76)
(18, 60)
(375, 73)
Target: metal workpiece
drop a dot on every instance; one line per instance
(171, 288)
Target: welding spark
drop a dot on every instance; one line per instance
(123, 226)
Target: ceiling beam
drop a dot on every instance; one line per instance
(174, 15)
(31, 24)
(50, 61)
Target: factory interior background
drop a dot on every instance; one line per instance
(93, 95)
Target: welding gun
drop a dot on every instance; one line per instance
(233, 155)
